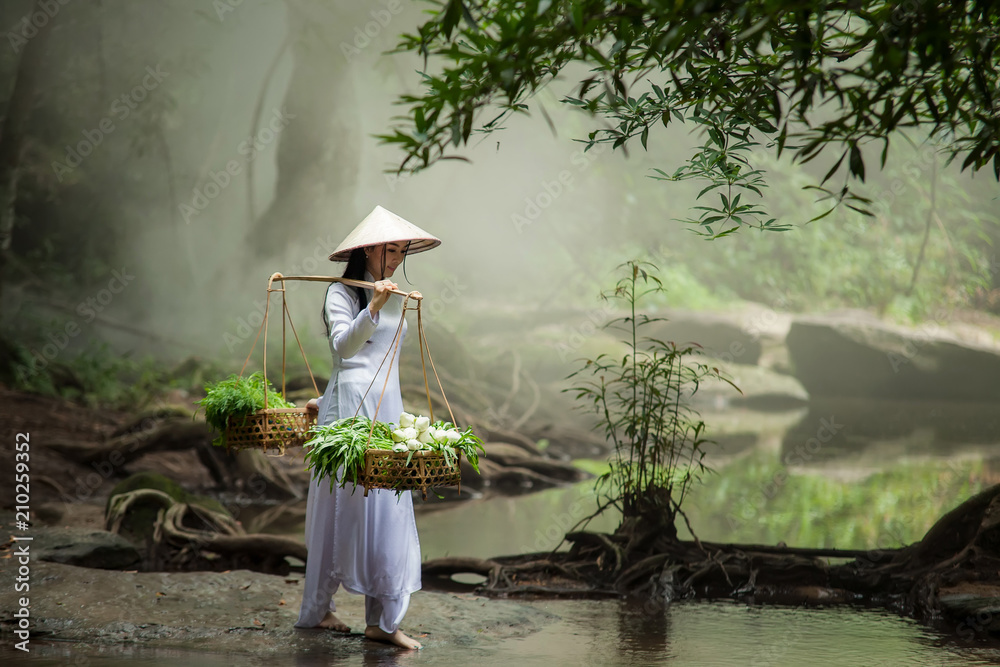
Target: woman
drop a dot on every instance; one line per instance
(368, 545)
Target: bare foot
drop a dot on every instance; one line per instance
(397, 637)
(331, 622)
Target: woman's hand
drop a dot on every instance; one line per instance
(382, 293)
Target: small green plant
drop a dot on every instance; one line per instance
(93, 373)
(237, 396)
(642, 401)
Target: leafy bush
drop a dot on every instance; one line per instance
(95, 375)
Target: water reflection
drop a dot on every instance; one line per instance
(368, 654)
(882, 431)
(719, 634)
(643, 631)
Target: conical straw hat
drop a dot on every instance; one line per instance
(383, 226)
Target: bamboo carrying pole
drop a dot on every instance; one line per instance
(336, 279)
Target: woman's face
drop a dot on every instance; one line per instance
(393, 254)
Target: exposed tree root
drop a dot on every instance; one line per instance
(186, 537)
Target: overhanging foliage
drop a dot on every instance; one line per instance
(798, 76)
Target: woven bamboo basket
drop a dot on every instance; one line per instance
(386, 469)
(272, 429)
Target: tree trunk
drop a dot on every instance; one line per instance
(12, 134)
(319, 148)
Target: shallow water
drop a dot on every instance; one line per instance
(755, 500)
(617, 633)
(719, 633)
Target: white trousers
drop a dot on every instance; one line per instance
(385, 570)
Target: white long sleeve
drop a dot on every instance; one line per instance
(348, 332)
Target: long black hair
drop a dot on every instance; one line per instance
(355, 270)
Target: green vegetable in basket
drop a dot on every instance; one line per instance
(237, 396)
(343, 443)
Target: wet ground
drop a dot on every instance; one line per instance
(90, 617)
(116, 619)
(252, 614)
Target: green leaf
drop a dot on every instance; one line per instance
(452, 15)
(576, 15)
(857, 163)
(834, 168)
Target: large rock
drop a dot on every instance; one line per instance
(85, 548)
(756, 388)
(720, 336)
(849, 357)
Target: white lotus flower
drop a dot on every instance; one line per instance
(399, 447)
(453, 436)
(413, 445)
(422, 423)
(436, 434)
(406, 420)
(409, 433)
(398, 436)
(425, 437)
